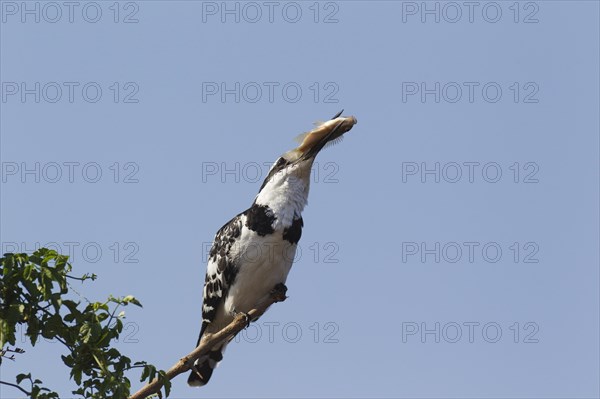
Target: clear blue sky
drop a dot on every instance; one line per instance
(410, 230)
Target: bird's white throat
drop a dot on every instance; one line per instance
(286, 193)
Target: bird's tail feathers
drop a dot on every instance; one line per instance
(204, 366)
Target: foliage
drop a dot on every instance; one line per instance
(34, 294)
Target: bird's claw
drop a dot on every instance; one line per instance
(247, 319)
(246, 316)
(278, 292)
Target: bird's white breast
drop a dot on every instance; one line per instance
(265, 261)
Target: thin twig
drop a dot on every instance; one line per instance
(16, 386)
(207, 343)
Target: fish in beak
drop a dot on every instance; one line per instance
(325, 133)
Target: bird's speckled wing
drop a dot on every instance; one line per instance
(220, 271)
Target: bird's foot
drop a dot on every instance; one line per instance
(246, 316)
(247, 319)
(278, 292)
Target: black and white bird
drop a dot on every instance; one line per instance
(253, 252)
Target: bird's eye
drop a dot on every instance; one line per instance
(281, 163)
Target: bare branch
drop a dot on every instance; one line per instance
(185, 363)
(16, 386)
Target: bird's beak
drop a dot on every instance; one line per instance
(316, 139)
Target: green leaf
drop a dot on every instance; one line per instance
(132, 299)
(166, 382)
(28, 271)
(146, 372)
(22, 377)
(68, 360)
(7, 333)
(76, 374)
(85, 332)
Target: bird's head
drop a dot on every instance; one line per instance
(290, 174)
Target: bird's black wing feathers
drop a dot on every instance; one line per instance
(220, 274)
(220, 271)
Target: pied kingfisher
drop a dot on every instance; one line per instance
(252, 253)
